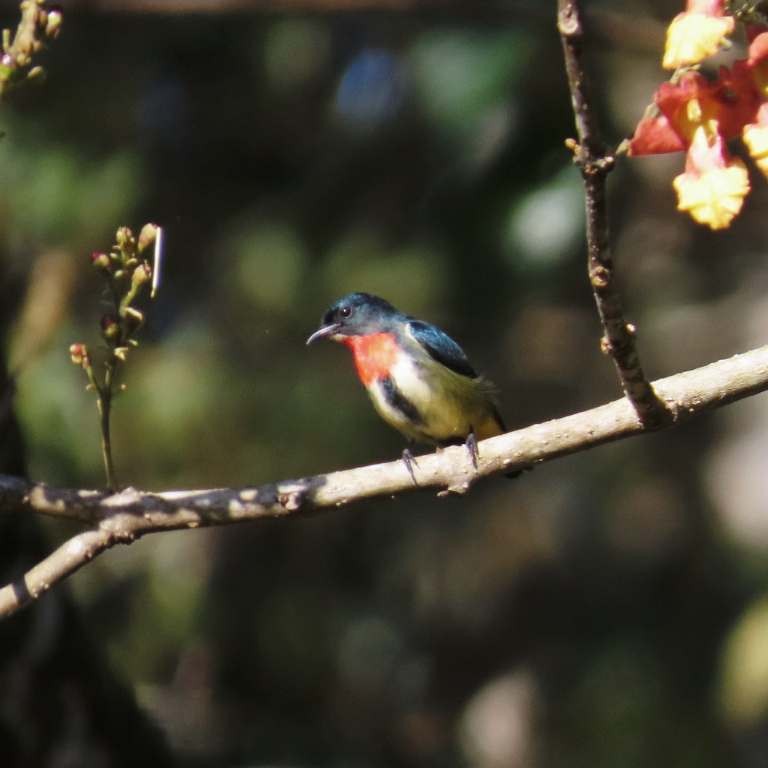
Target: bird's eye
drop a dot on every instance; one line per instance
(346, 311)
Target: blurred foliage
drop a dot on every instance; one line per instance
(603, 610)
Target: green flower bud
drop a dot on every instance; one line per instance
(37, 74)
(53, 23)
(100, 260)
(142, 274)
(147, 236)
(135, 317)
(7, 68)
(110, 327)
(78, 353)
(124, 237)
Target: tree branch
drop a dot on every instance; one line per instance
(596, 163)
(124, 517)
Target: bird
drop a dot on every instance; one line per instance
(419, 379)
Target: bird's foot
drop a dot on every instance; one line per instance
(410, 463)
(474, 453)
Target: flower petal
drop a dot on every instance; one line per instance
(655, 136)
(755, 136)
(707, 7)
(714, 185)
(693, 36)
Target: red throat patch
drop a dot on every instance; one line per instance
(374, 354)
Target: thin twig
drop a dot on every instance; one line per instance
(126, 516)
(104, 405)
(596, 163)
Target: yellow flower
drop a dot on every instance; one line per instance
(714, 197)
(755, 136)
(692, 36)
(714, 185)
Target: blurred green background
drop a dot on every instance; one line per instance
(607, 609)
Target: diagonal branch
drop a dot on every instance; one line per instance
(124, 517)
(595, 163)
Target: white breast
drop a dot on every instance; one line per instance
(410, 379)
(444, 400)
(405, 376)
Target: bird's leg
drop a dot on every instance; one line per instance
(471, 443)
(410, 463)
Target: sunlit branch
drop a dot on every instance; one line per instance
(126, 516)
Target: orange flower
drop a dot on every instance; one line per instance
(699, 116)
(721, 106)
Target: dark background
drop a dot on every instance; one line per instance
(606, 609)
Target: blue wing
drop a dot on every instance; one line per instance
(441, 347)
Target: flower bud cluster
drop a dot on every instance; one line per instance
(40, 23)
(127, 271)
(126, 261)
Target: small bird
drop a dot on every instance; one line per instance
(419, 379)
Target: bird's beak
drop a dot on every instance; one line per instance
(326, 330)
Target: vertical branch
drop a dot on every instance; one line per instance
(595, 163)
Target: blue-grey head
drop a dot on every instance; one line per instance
(356, 314)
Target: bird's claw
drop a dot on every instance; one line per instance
(474, 453)
(410, 463)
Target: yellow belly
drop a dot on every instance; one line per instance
(449, 405)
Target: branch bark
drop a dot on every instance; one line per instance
(124, 517)
(595, 162)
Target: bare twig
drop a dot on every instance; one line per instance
(595, 163)
(124, 517)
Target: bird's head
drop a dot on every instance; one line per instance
(356, 314)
